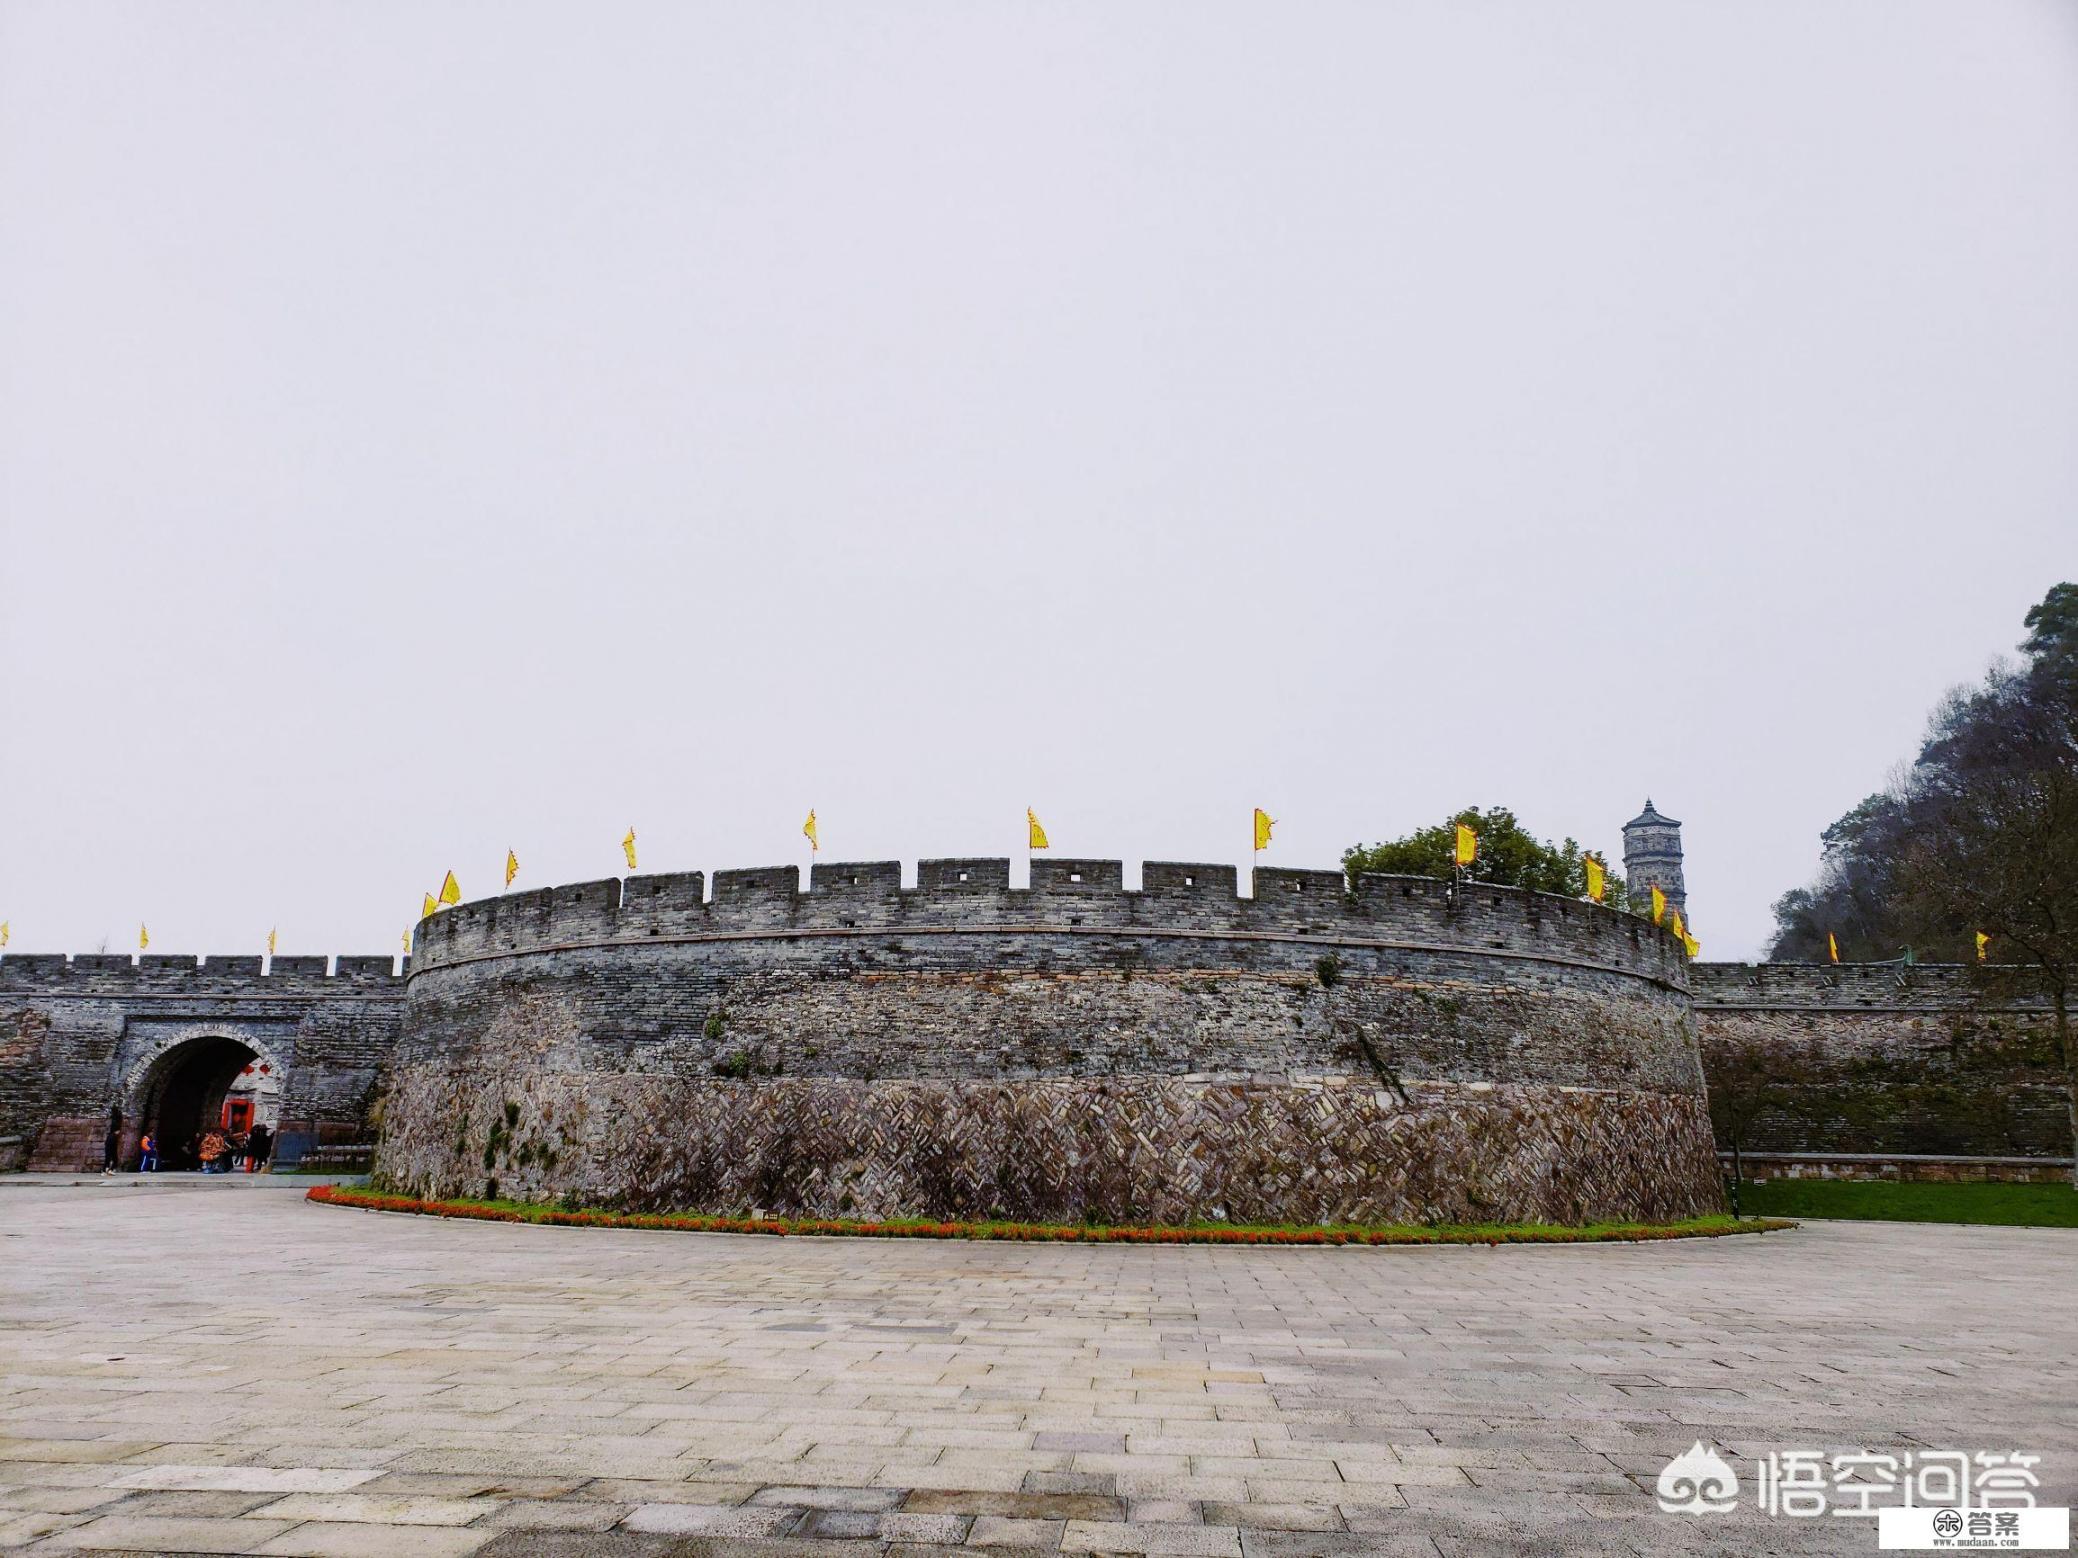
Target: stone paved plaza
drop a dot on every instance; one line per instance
(220, 1366)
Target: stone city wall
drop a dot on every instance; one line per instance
(786, 1012)
(1926, 1060)
(79, 1034)
(1072, 1050)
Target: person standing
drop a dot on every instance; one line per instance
(148, 1160)
(259, 1148)
(112, 1143)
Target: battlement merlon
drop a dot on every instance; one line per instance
(1178, 897)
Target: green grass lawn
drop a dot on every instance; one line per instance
(2027, 1206)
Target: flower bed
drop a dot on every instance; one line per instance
(1041, 1233)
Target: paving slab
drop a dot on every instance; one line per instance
(347, 1539)
(172, 1534)
(230, 1478)
(349, 1383)
(1008, 1531)
(581, 1544)
(711, 1520)
(380, 1509)
(64, 1501)
(556, 1515)
(1090, 1536)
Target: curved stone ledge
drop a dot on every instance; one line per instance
(1324, 940)
(968, 1011)
(1172, 1150)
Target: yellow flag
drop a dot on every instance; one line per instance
(1035, 836)
(808, 828)
(1688, 942)
(450, 890)
(144, 937)
(1467, 849)
(1597, 883)
(407, 943)
(431, 908)
(5, 932)
(1264, 822)
(511, 867)
(1832, 946)
(1983, 941)
(1659, 904)
(270, 943)
(628, 846)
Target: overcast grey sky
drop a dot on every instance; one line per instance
(428, 429)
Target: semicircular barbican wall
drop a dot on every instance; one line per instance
(1069, 1051)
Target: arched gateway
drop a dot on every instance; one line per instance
(299, 1042)
(197, 1084)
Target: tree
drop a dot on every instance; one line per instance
(1748, 1078)
(1992, 846)
(1851, 899)
(2052, 641)
(1979, 835)
(1509, 856)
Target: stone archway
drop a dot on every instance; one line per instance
(181, 1092)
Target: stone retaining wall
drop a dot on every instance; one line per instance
(1399, 1053)
(1134, 1149)
(1904, 1167)
(1930, 1060)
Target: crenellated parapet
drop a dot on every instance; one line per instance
(1847, 987)
(121, 975)
(974, 897)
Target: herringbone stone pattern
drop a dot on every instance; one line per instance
(219, 1366)
(1127, 1149)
